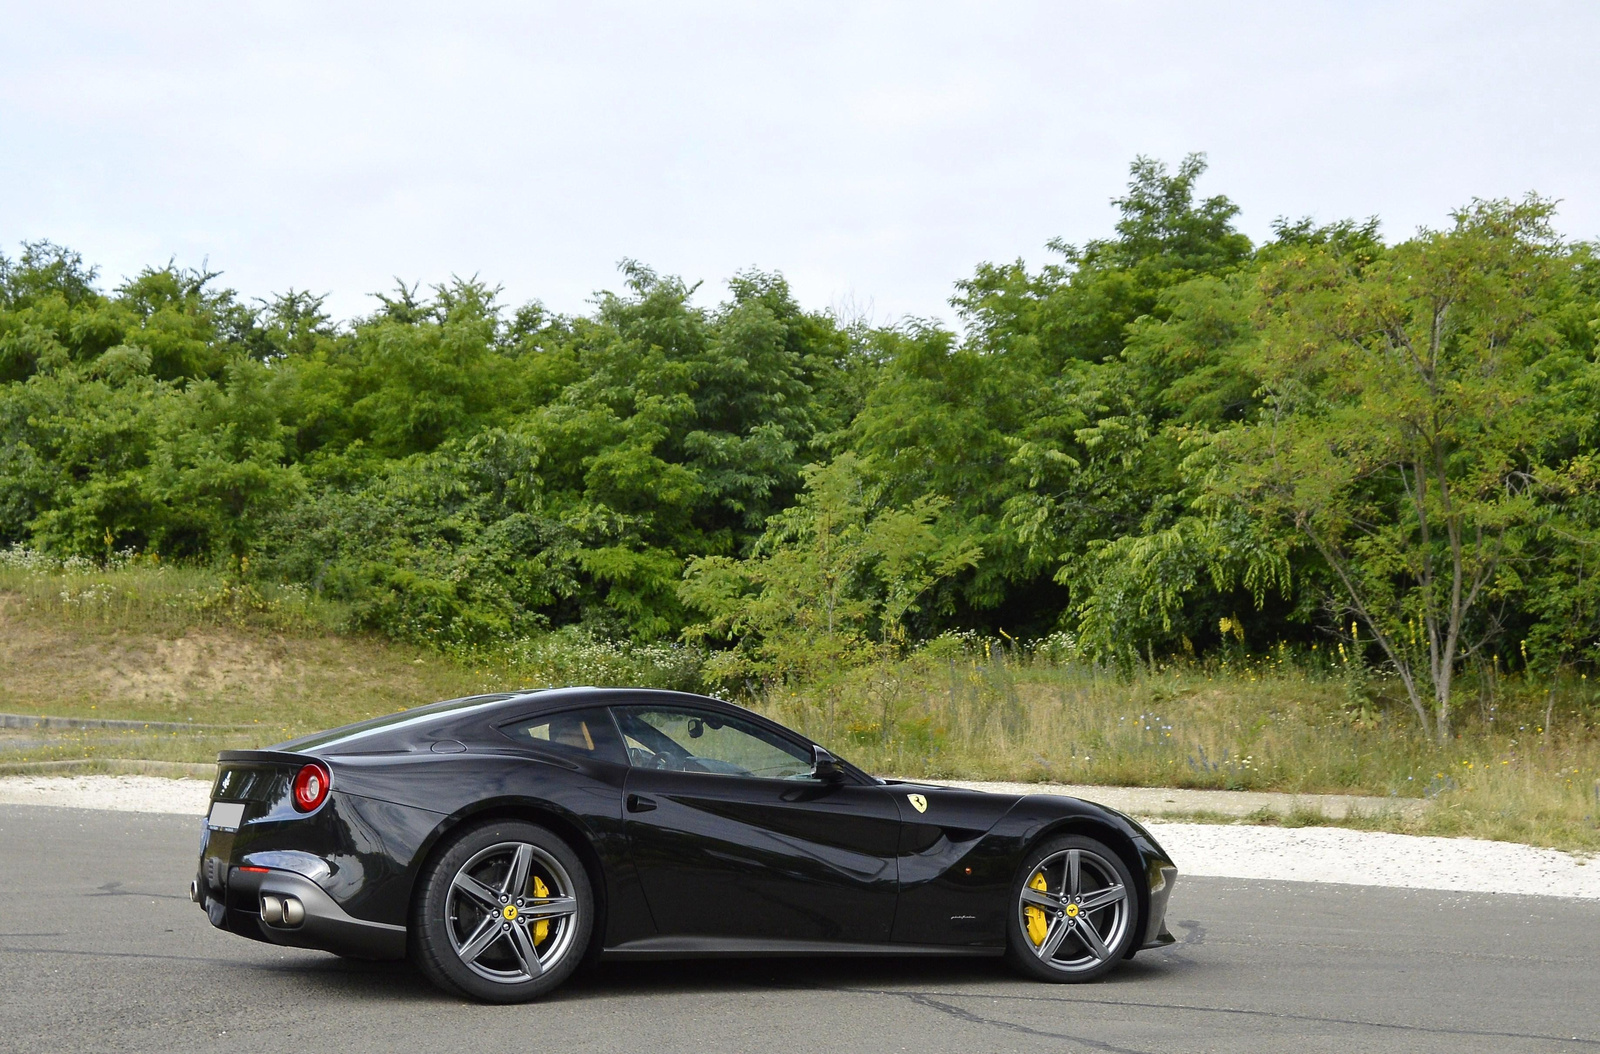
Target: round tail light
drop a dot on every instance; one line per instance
(311, 786)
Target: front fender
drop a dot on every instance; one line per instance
(1040, 816)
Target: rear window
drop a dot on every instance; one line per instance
(581, 733)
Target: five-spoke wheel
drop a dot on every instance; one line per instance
(504, 913)
(1075, 911)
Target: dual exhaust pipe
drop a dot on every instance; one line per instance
(275, 910)
(282, 911)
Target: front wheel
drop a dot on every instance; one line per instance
(1074, 911)
(503, 914)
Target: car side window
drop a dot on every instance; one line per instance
(686, 740)
(584, 733)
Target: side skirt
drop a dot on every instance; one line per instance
(763, 948)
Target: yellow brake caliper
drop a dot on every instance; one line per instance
(541, 929)
(1038, 925)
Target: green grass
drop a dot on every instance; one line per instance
(153, 643)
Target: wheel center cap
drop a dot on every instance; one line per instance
(1072, 911)
(508, 912)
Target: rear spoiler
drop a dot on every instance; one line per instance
(280, 757)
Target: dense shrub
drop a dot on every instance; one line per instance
(1168, 441)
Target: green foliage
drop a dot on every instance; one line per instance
(1043, 433)
(105, 455)
(449, 547)
(831, 584)
(1412, 399)
(1164, 441)
(569, 656)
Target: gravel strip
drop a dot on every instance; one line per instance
(188, 797)
(1373, 858)
(1304, 854)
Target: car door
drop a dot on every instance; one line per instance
(733, 839)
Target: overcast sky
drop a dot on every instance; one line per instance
(873, 153)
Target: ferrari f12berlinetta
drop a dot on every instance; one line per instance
(499, 841)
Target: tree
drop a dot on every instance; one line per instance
(832, 582)
(1039, 429)
(1408, 396)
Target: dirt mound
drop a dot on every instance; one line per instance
(210, 674)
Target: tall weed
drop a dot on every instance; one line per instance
(137, 592)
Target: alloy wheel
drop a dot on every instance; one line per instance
(1074, 910)
(510, 912)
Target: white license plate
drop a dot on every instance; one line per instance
(225, 815)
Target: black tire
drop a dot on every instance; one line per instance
(466, 948)
(1079, 954)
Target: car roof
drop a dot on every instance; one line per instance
(537, 700)
(420, 719)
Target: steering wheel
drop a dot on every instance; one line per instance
(645, 759)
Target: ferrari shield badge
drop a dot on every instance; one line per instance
(918, 802)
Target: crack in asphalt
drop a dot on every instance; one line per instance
(931, 999)
(1374, 951)
(961, 1014)
(119, 955)
(936, 1001)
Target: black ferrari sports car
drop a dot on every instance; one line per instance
(501, 840)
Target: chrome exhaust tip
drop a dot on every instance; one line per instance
(282, 911)
(194, 890)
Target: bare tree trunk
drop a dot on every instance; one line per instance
(1442, 705)
(1401, 665)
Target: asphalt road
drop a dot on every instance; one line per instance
(100, 949)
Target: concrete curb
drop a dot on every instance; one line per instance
(110, 766)
(67, 723)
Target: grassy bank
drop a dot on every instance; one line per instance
(1268, 724)
(173, 645)
(152, 643)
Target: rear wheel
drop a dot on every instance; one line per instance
(503, 914)
(1074, 911)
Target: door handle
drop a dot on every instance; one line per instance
(639, 803)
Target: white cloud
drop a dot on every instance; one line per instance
(873, 153)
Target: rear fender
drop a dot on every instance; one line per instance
(567, 826)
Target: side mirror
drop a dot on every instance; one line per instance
(825, 767)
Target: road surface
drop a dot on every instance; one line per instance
(100, 950)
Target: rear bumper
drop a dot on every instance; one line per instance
(326, 926)
(351, 884)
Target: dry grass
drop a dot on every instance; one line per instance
(144, 657)
(1267, 725)
(174, 645)
(165, 645)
